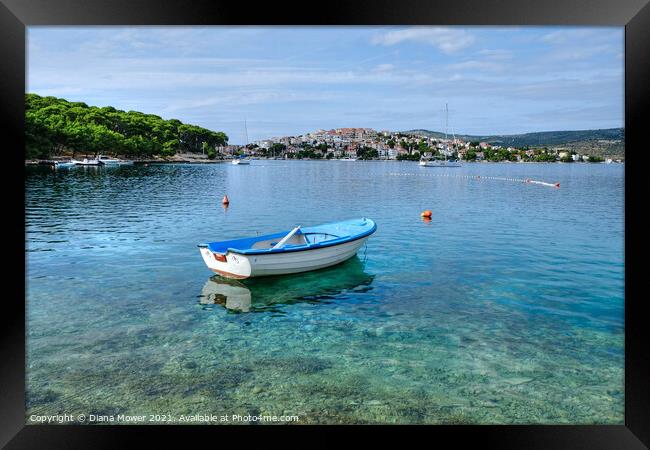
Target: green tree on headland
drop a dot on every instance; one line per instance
(367, 153)
(54, 125)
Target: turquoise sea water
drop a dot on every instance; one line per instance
(507, 307)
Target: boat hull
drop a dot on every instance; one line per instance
(117, 163)
(87, 162)
(241, 266)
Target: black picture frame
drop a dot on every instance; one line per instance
(15, 15)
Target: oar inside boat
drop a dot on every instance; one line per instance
(286, 238)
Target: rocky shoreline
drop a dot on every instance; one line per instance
(171, 160)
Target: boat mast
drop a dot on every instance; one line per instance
(446, 120)
(446, 128)
(246, 132)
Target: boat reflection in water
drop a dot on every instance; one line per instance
(267, 293)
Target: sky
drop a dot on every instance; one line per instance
(285, 81)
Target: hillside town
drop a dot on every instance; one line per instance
(367, 144)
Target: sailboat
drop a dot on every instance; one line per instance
(243, 160)
(426, 162)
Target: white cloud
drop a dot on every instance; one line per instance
(567, 36)
(568, 53)
(384, 67)
(476, 65)
(447, 40)
(496, 54)
(592, 40)
(249, 98)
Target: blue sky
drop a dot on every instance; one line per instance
(291, 80)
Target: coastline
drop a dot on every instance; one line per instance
(51, 162)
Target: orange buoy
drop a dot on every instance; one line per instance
(225, 200)
(426, 213)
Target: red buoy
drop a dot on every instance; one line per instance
(557, 185)
(225, 200)
(426, 213)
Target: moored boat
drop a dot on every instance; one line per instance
(107, 160)
(87, 162)
(63, 164)
(446, 150)
(298, 250)
(439, 163)
(243, 160)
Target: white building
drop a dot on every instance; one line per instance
(266, 143)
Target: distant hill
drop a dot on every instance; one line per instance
(544, 138)
(606, 142)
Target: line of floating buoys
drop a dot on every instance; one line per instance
(479, 177)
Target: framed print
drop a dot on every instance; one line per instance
(382, 214)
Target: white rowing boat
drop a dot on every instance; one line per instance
(298, 250)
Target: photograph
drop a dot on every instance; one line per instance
(329, 225)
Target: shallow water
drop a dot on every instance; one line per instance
(507, 307)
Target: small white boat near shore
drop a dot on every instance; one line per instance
(298, 250)
(63, 164)
(87, 162)
(241, 161)
(439, 163)
(107, 160)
